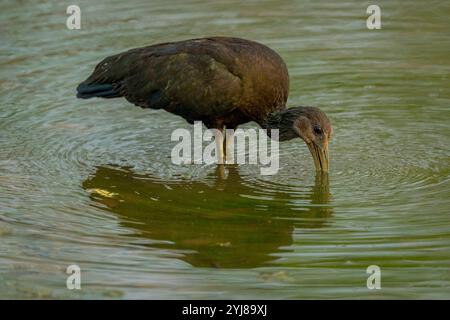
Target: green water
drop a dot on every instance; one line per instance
(91, 182)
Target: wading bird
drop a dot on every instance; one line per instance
(221, 81)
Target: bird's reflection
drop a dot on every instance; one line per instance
(222, 221)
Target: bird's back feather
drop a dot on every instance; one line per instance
(201, 79)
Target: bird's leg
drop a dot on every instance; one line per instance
(218, 137)
(229, 146)
(220, 172)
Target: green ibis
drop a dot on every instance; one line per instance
(221, 81)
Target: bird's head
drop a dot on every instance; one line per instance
(313, 126)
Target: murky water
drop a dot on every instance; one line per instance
(91, 182)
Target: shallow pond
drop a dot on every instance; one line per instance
(91, 182)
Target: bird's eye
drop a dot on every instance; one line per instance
(317, 130)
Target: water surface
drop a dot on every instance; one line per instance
(91, 182)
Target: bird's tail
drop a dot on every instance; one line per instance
(86, 91)
(106, 78)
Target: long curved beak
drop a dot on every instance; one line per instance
(320, 156)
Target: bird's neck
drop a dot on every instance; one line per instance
(283, 121)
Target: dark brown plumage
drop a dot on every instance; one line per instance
(221, 81)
